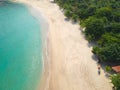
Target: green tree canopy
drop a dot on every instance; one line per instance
(101, 20)
(94, 27)
(109, 38)
(108, 53)
(104, 12)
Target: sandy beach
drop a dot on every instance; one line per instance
(71, 65)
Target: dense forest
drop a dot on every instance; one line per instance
(101, 20)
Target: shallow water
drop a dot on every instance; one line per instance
(20, 48)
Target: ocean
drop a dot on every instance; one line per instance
(20, 48)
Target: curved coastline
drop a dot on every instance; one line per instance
(44, 36)
(68, 65)
(45, 74)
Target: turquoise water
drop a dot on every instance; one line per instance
(20, 48)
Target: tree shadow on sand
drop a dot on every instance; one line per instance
(67, 19)
(74, 22)
(103, 66)
(91, 44)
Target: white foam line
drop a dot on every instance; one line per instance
(45, 40)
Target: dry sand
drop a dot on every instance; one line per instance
(71, 62)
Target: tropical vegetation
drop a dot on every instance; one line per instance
(101, 20)
(116, 81)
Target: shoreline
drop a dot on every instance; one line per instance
(45, 74)
(71, 65)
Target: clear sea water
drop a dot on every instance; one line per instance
(20, 48)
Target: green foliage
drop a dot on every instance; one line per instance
(108, 68)
(68, 13)
(101, 20)
(104, 12)
(116, 16)
(74, 17)
(108, 53)
(109, 38)
(94, 28)
(115, 27)
(116, 81)
(96, 50)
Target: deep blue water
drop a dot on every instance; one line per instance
(20, 48)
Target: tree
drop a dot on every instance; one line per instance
(94, 28)
(116, 81)
(108, 53)
(101, 20)
(68, 13)
(74, 17)
(115, 27)
(116, 16)
(108, 68)
(109, 38)
(105, 12)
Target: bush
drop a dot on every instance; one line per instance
(74, 17)
(108, 68)
(116, 81)
(96, 50)
(68, 13)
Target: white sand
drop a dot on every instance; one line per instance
(71, 64)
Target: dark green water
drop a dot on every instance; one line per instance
(20, 48)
